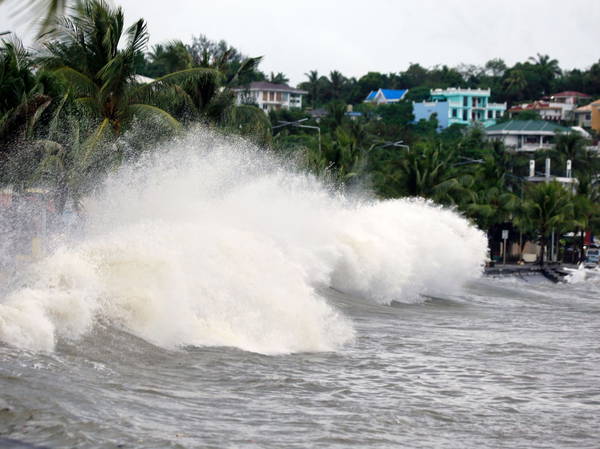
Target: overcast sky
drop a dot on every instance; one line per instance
(355, 37)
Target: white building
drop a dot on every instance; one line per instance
(546, 110)
(567, 101)
(269, 96)
(526, 135)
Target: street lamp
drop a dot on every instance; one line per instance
(398, 144)
(297, 124)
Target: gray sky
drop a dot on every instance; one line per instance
(355, 37)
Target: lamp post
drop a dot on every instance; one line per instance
(297, 124)
(398, 144)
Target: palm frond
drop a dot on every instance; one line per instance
(149, 110)
(82, 85)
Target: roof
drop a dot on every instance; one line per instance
(526, 126)
(143, 79)
(388, 94)
(588, 107)
(264, 85)
(571, 93)
(393, 94)
(535, 106)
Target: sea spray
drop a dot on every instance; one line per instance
(210, 241)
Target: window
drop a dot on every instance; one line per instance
(490, 114)
(272, 96)
(454, 112)
(531, 140)
(465, 115)
(265, 95)
(278, 96)
(465, 101)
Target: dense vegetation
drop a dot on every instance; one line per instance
(69, 110)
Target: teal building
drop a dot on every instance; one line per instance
(461, 106)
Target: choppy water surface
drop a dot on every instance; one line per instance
(217, 300)
(507, 364)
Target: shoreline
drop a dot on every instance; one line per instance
(554, 272)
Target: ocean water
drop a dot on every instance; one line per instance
(215, 297)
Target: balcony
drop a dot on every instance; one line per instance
(534, 147)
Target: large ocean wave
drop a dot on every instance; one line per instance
(210, 241)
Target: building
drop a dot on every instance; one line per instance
(526, 135)
(588, 116)
(567, 101)
(547, 111)
(270, 96)
(460, 106)
(569, 97)
(386, 96)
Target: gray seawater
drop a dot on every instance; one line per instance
(508, 363)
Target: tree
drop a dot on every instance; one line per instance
(22, 100)
(167, 58)
(48, 10)
(495, 67)
(100, 72)
(547, 207)
(515, 83)
(312, 85)
(414, 76)
(547, 69)
(278, 78)
(337, 82)
(424, 171)
(572, 146)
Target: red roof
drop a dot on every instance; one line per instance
(535, 106)
(571, 93)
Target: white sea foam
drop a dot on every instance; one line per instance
(211, 242)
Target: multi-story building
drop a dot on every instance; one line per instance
(270, 96)
(546, 110)
(460, 106)
(567, 101)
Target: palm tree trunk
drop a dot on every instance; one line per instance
(543, 245)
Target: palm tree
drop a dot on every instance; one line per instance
(337, 81)
(515, 83)
(547, 68)
(547, 207)
(48, 10)
(168, 58)
(572, 146)
(22, 100)
(278, 78)
(313, 86)
(427, 171)
(101, 72)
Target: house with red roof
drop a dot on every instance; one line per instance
(546, 110)
(569, 97)
(555, 107)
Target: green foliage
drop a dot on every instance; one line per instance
(547, 207)
(167, 58)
